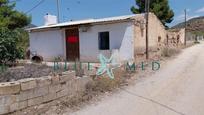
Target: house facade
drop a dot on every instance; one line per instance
(84, 40)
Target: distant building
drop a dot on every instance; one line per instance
(176, 37)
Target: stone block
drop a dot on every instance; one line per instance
(49, 97)
(43, 81)
(22, 104)
(62, 93)
(4, 109)
(71, 86)
(8, 99)
(9, 88)
(64, 85)
(81, 83)
(40, 91)
(35, 101)
(28, 83)
(25, 95)
(55, 79)
(54, 88)
(18, 106)
(13, 107)
(64, 78)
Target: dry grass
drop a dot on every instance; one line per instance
(168, 52)
(104, 83)
(98, 86)
(196, 42)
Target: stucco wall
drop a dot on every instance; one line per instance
(120, 35)
(49, 44)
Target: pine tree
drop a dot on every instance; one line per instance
(160, 8)
(11, 18)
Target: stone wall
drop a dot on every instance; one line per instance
(176, 37)
(33, 91)
(157, 35)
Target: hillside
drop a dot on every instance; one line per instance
(30, 26)
(193, 25)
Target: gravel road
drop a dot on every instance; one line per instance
(176, 89)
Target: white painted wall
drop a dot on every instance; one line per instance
(48, 44)
(121, 37)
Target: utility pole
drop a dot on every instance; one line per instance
(58, 11)
(147, 27)
(185, 26)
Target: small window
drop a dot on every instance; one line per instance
(104, 42)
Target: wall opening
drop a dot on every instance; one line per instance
(159, 39)
(178, 39)
(104, 40)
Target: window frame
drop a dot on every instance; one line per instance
(101, 45)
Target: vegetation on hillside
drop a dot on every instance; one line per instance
(194, 25)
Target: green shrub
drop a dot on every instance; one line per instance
(9, 51)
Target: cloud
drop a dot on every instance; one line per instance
(182, 17)
(192, 17)
(201, 10)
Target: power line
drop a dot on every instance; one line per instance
(38, 4)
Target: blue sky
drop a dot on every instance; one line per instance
(83, 9)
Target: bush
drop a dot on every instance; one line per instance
(9, 51)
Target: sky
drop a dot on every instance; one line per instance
(85, 9)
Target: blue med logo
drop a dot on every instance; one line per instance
(105, 66)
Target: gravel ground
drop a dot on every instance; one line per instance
(27, 71)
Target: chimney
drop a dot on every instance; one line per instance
(50, 19)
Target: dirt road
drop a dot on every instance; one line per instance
(176, 89)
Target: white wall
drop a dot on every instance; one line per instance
(121, 37)
(48, 44)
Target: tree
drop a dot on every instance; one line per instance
(11, 18)
(9, 51)
(160, 8)
(23, 39)
(13, 39)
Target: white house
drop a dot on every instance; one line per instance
(84, 40)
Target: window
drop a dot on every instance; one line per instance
(104, 42)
